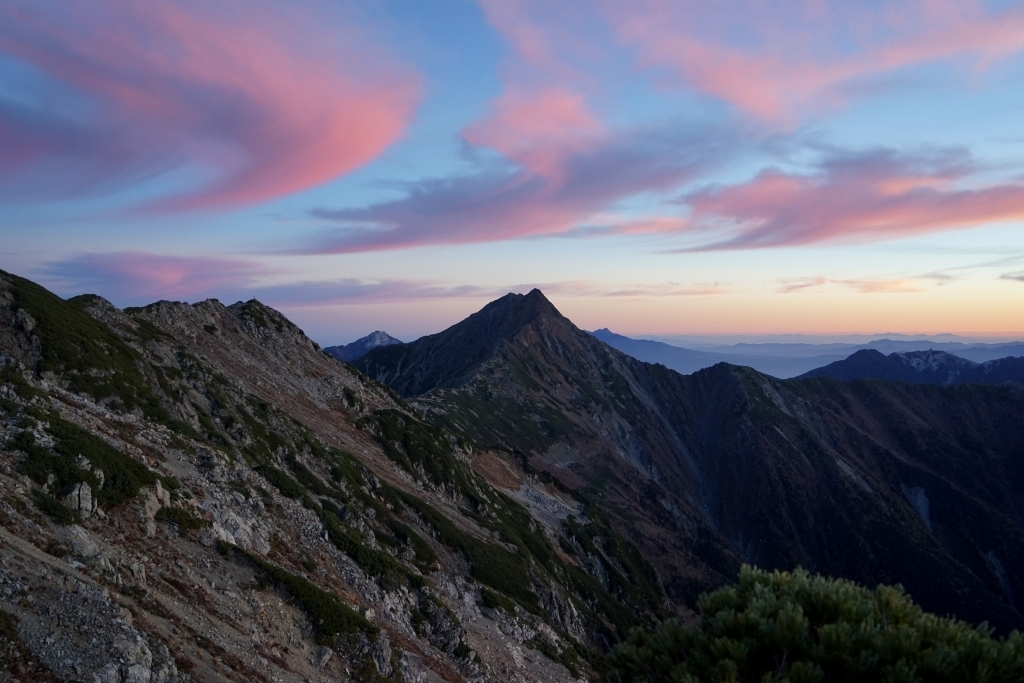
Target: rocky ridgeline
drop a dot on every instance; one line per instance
(198, 492)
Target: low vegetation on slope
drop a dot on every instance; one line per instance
(781, 626)
(100, 405)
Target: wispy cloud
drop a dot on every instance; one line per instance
(135, 278)
(553, 193)
(565, 169)
(1018, 276)
(870, 195)
(140, 278)
(798, 284)
(791, 59)
(254, 100)
(894, 286)
(861, 285)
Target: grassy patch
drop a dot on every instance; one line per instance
(123, 475)
(22, 388)
(494, 600)
(490, 564)
(348, 541)
(57, 511)
(424, 556)
(308, 479)
(182, 519)
(94, 359)
(281, 481)
(419, 447)
(630, 577)
(41, 462)
(331, 617)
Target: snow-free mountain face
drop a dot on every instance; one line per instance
(727, 465)
(360, 347)
(922, 367)
(198, 493)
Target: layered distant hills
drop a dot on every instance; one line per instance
(791, 359)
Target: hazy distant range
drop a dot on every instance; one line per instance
(789, 359)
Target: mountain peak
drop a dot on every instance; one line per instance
(450, 358)
(360, 347)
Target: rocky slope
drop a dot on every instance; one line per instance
(198, 492)
(877, 482)
(922, 367)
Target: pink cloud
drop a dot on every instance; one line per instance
(257, 99)
(529, 39)
(877, 195)
(862, 286)
(140, 277)
(570, 174)
(542, 118)
(538, 130)
(502, 203)
(783, 60)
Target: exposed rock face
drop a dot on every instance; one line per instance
(80, 500)
(200, 493)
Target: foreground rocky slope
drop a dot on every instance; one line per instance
(200, 493)
(877, 482)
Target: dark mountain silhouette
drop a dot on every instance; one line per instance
(360, 347)
(919, 485)
(922, 367)
(451, 358)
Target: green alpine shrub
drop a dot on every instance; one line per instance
(781, 626)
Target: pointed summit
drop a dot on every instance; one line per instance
(451, 358)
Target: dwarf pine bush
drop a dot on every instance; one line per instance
(781, 626)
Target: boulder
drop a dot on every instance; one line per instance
(81, 545)
(81, 501)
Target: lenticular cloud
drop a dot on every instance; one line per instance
(252, 102)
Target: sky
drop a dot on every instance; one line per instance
(656, 167)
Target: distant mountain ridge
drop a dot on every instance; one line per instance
(922, 367)
(687, 361)
(786, 360)
(360, 347)
(897, 483)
